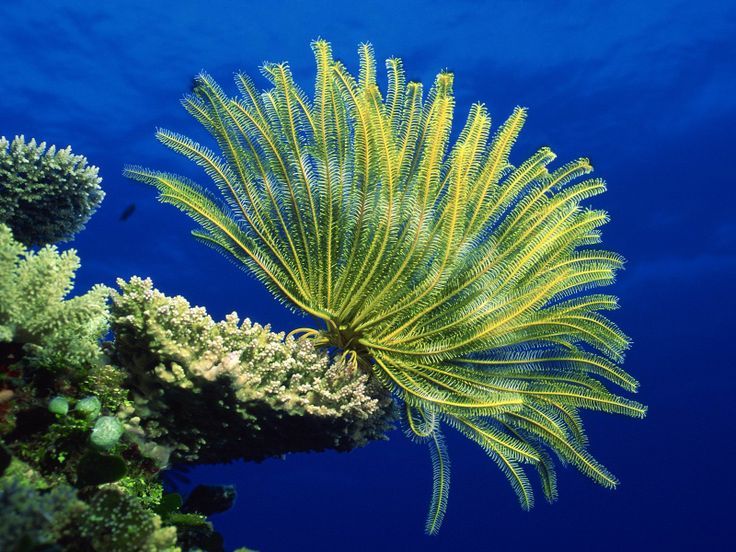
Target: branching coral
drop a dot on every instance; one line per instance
(457, 279)
(54, 332)
(215, 391)
(46, 195)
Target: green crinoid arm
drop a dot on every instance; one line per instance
(465, 284)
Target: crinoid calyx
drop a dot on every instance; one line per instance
(461, 281)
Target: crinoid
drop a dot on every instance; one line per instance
(461, 281)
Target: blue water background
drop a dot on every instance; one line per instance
(647, 90)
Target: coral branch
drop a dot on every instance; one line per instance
(217, 391)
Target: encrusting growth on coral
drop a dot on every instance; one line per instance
(46, 195)
(459, 280)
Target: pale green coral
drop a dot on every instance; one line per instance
(214, 391)
(46, 195)
(55, 332)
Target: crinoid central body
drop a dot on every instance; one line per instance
(342, 338)
(461, 281)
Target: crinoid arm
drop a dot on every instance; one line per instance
(460, 281)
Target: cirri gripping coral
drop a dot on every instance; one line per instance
(46, 195)
(458, 279)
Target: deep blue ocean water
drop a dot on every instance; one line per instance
(647, 90)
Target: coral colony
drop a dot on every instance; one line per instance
(449, 288)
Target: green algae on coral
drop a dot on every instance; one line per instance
(49, 350)
(89, 407)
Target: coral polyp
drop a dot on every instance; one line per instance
(458, 280)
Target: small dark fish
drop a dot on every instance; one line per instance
(194, 85)
(125, 215)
